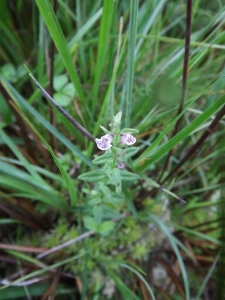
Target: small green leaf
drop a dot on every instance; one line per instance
(106, 227)
(21, 72)
(59, 81)
(128, 153)
(62, 99)
(98, 213)
(129, 131)
(128, 176)
(9, 72)
(90, 223)
(103, 158)
(113, 199)
(114, 178)
(93, 176)
(94, 200)
(117, 117)
(69, 90)
(105, 130)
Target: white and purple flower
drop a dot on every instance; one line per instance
(104, 143)
(127, 139)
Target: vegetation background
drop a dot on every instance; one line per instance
(162, 64)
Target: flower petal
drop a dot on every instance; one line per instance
(109, 137)
(120, 164)
(104, 142)
(127, 139)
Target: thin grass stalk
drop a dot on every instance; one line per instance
(184, 80)
(131, 58)
(50, 71)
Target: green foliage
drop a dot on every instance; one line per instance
(108, 216)
(65, 91)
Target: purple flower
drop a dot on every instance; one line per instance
(104, 142)
(127, 139)
(120, 164)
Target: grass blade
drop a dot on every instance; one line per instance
(171, 239)
(163, 150)
(102, 46)
(131, 53)
(55, 31)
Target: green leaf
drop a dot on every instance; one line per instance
(68, 180)
(17, 153)
(21, 102)
(117, 118)
(106, 227)
(26, 257)
(93, 176)
(129, 131)
(102, 47)
(128, 176)
(103, 158)
(98, 213)
(141, 277)
(164, 149)
(59, 81)
(56, 33)
(5, 110)
(173, 242)
(69, 89)
(105, 130)
(131, 57)
(94, 200)
(114, 178)
(9, 72)
(128, 153)
(107, 96)
(62, 99)
(90, 223)
(126, 292)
